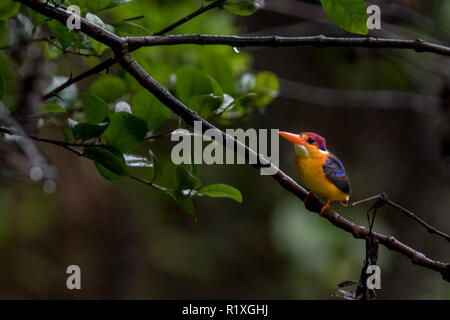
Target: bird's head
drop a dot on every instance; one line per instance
(307, 144)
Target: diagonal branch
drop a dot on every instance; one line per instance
(95, 70)
(133, 68)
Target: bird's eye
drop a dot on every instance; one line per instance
(310, 140)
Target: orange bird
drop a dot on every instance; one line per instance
(319, 171)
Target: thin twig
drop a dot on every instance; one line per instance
(64, 144)
(191, 16)
(384, 199)
(134, 18)
(165, 133)
(56, 45)
(149, 183)
(161, 134)
(68, 146)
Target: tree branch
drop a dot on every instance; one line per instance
(157, 38)
(358, 232)
(320, 41)
(383, 199)
(63, 144)
(111, 61)
(191, 16)
(95, 70)
(130, 65)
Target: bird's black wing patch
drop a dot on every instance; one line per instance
(335, 173)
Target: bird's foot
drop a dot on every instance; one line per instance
(307, 198)
(311, 193)
(325, 207)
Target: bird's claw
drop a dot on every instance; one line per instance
(306, 201)
(325, 207)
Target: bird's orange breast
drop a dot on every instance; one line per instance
(311, 175)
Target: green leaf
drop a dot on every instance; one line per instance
(218, 67)
(266, 86)
(145, 106)
(85, 131)
(108, 88)
(157, 167)
(95, 19)
(61, 33)
(350, 15)
(95, 109)
(205, 104)
(244, 7)
(83, 42)
(130, 29)
(67, 134)
(53, 108)
(185, 180)
(96, 5)
(98, 46)
(192, 82)
(223, 191)
(124, 132)
(137, 161)
(245, 100)
(8, 9)
(106, 173)
(115, 3)
(108, 160)
(184, 202)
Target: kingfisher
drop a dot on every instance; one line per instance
(320, 171)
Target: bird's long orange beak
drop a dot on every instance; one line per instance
(292, 137)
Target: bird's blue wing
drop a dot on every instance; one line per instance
(335, 173)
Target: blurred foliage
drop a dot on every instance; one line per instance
(204, 78)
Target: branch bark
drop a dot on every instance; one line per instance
(95, 70)
(119, 46)
(319, 41)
